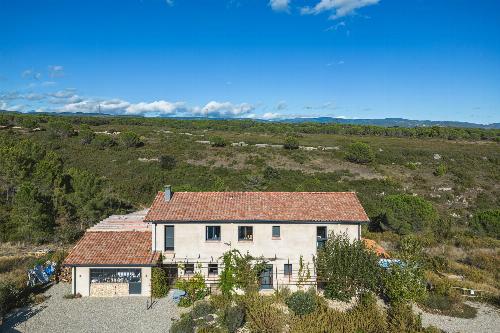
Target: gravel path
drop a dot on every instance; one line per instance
(118, 314)
(486, 321)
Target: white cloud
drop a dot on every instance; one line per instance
(224, 109)
(48, 83)
(270, 115)
(56, 71)
(280, 5)
(157, 107)
(338, 8)
(33, 97)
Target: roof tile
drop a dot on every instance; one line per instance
(257, 206)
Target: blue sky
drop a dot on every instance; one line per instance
(417, 59)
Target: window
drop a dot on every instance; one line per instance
(321, 237)
(112, 275)
(212, 233)
(288, 269)
(245, 233)
(169, 238)
(188, 269)
(213, 269)
(276, 231)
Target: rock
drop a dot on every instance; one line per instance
(437, 156)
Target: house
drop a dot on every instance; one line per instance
(191, 231)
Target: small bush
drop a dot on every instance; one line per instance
(451, 305)
(346, 267)
(86, 136)
(130, 139)
(302, 303)
(218, 141)
(159, 282)
(402, 319)
(440, 170)
(104, 141)
(360, 152)
(403, 283)
(194, 287)
(291, 142)
(234, 318)
(263, 316)
(184, 325)
(167, 162)
(201, 309)
(487, 223)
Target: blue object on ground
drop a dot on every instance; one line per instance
(386, 263)
(177, 294)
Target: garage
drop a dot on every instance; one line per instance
(114, 258)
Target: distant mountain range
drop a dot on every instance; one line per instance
(385, 122)
(391, 122)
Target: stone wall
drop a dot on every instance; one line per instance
(108, 289)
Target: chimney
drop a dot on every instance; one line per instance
(168, 193)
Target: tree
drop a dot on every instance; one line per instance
(360, 152)
(405, 213)
(346, 267)
(291, 142)
(32, 215)
(130, 139)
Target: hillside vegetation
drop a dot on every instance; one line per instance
(59, 175)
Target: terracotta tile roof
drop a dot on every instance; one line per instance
(112, 248)
(257, 206)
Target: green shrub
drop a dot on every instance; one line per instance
(440, 170)
(263, 316)
(346, 267)
(407, 213)
(159, 282)
(402, 319)
(60, 129)
(184, 325)
(359, 152)
(202, 308)
(167, 162)
(103, 141)
(487, 223)
(234, 318)
(301, 302)
(10, 297)
(403, 283)
(194, 287)
(364, 317)
(130, 139)
(291, 142)
(449, 305)
(86, 136)
(218, 141)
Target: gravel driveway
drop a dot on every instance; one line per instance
(486, 321)
(119, 314)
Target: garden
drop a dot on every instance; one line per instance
(357, 294)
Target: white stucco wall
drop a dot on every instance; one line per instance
(82, 285)
(296, 239)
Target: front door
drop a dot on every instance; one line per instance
(266, 278)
